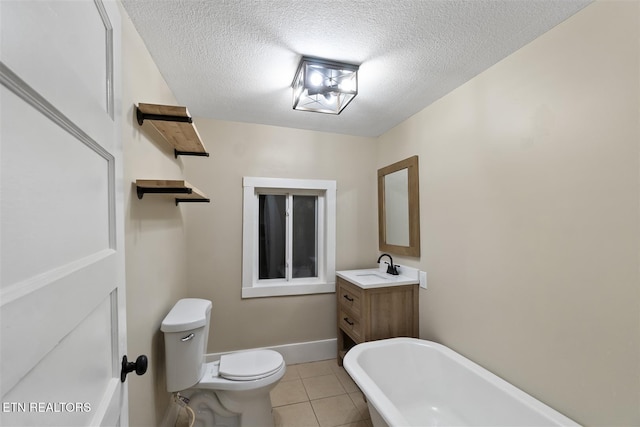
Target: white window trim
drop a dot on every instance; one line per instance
(326, 281)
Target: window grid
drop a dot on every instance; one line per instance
(289, 219)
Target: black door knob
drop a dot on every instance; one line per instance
(140, 366)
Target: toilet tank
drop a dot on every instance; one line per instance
(186, 332)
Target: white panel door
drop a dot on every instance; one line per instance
(62, 289)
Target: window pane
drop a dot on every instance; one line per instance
(272, 233)
(305, 242)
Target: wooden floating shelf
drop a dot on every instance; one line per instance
(183, 191)
(175, 124)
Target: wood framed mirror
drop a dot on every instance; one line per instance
(399, 208)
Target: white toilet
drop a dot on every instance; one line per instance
(233, 391)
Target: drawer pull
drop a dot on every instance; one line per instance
(348, 298)
(346, 319)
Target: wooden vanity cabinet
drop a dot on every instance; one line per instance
(374, 313)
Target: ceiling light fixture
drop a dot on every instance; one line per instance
(324, 86)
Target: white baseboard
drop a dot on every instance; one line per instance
(301, 352)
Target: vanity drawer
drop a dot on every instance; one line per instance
(350, 299)
(351, 325)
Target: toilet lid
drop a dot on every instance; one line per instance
(249, 365)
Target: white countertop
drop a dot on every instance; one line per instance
(375, 278)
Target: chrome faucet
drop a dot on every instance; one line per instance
(391, 269)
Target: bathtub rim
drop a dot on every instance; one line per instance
(393, 417)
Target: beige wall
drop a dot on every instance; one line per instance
(155, 238)
(214, 231)
(529, 187)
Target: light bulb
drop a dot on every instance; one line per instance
(348, 85)
(315, 79)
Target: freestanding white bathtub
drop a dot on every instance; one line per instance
(412, 382)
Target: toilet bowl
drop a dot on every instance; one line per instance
(233, 391)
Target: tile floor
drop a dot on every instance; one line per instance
(319, 394)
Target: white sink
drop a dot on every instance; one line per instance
(374, 278)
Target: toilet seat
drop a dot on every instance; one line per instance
(249, 365)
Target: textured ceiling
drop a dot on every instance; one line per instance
(235, 59)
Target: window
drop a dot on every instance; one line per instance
(288, 242)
